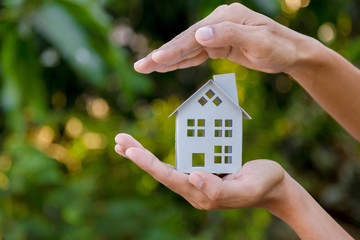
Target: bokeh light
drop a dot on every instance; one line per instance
(98, 108)
(44, 136)
(327, 32)
(49, 58)
(305, 3)
(122, 34)
(5, 162)
(73, 127)
(61, 154)
(94, 140)
(293, 5)
(4, 181)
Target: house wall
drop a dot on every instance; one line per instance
(186, 146)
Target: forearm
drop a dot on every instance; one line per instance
(302, 213)
(331, 80)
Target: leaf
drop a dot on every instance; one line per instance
(31, 82)
(11, 96)
(98, 25)
(61, 29)
(22, 82)
(92, 17)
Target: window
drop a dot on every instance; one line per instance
(228, 123)
(190, 132)
(217, 159)
(201, 122)
(191, 122)
(220, 128)
(198, 159)
(228, 149)
(217, 149)
(201, 133)
(219, 155)
(228, 133)
(217, 101)
(210, 94)
(228, 159)
(193, 129)
(218, 133)
(202, 101)
(218, 122)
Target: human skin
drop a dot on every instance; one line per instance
(259, 183)
(257, 42)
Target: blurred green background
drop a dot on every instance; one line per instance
(67, 87)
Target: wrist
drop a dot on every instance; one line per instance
(290, 203)
(309, 59)
(282, 198)
(302, 213)
(285, 198)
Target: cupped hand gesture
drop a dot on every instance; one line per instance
(230, 31)
(255, 185)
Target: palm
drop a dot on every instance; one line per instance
(249, 187)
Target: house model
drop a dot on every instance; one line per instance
(209, 128)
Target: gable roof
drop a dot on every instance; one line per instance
(230, 100)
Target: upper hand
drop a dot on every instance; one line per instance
(234, 32)
(257, 184)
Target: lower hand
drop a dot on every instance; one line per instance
(257, 184)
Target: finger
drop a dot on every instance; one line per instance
(178, 48)
(195, 52)
(207, 183)
(169, 53)
(120, 150)
(172, 53)
(185, 42)
(217, 189)
(162, 172)
(227, 34)
(229, 177)
(146, 65)
(221, 52)
(192, 62)
(126, 141)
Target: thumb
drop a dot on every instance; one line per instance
(208, 183)
(226, 34)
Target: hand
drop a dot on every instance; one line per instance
(234, 32)
(257, 184)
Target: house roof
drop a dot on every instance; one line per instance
(230, 100)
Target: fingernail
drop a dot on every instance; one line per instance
(197, 181)
(204, 34)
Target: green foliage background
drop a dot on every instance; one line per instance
(67, 87)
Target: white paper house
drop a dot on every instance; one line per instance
(209, 128)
